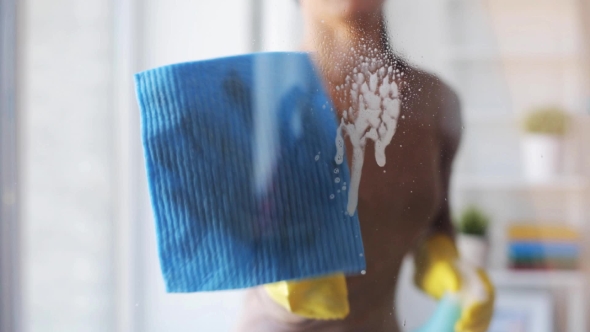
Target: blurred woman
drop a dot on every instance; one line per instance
(402, 205)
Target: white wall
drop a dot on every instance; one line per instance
(64, 93)
(282, 25)
(416, 30)
(187, 30)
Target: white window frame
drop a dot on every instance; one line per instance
(9, 226)
(127, 39)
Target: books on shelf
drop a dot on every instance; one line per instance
(543, 247)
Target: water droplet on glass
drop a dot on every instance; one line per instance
(332, 196)
(363, 272)
(360, 255)
(336, 171)
(317, 157)
(344, 188)
(337, 180)
(384, 171)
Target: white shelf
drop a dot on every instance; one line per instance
(500, 116)
(537, 279)
(566, 183)
(482, 54)
(489, 118)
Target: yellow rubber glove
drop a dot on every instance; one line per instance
(317, 298)
(439, 270)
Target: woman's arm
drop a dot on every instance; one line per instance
(450, 130)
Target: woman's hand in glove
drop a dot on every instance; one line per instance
(439, 270)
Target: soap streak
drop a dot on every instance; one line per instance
(378, 107)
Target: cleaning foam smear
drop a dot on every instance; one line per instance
(375, 100)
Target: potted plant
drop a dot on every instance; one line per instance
(542, 145)
(472, 240)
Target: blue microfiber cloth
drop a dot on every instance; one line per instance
(240, 161)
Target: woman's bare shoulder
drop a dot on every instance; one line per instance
(436, 96)
(423, 81)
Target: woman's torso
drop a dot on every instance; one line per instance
(397, 203)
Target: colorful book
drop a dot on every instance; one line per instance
(544, 263)
(543, 246)
(532, 232)
(543, 249)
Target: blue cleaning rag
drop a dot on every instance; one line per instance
(240, 161)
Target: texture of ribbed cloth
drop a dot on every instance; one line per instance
(240, 161)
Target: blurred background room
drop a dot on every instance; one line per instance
(78, 248)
